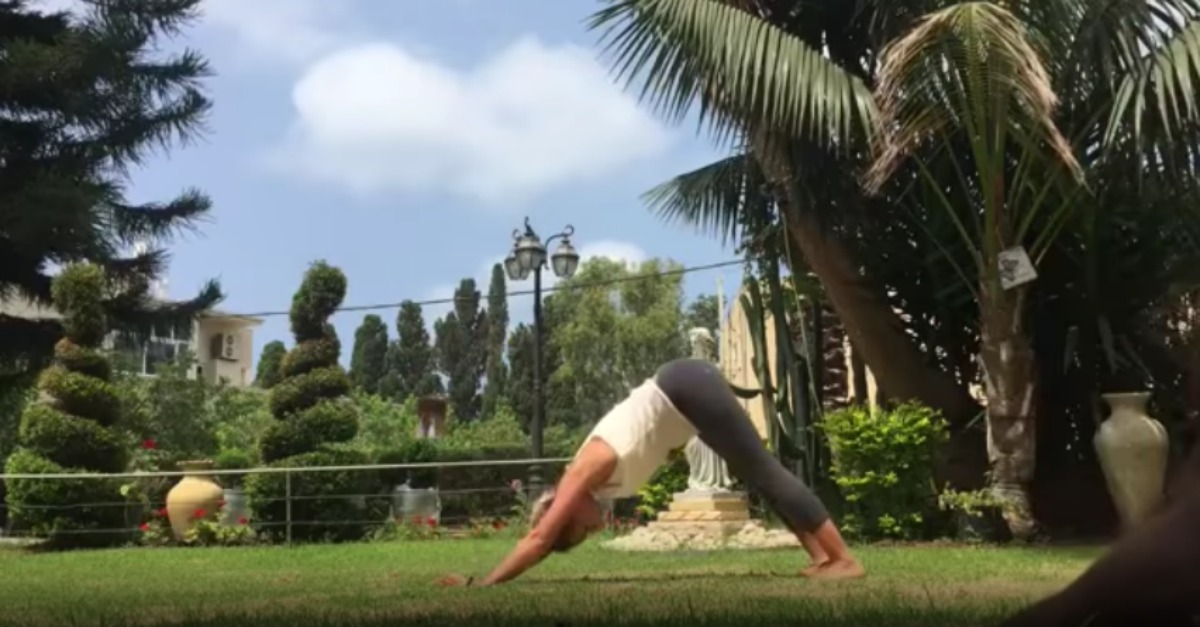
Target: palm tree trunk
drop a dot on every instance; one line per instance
(901, 371)
(1010, 383)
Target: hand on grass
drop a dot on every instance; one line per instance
(454, 581)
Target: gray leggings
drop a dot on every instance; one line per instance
(700, 392)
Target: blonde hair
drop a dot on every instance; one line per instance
(541, 506)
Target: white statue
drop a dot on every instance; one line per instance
(707, 472)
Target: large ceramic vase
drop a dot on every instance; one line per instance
(195, 491)
(1132, 448)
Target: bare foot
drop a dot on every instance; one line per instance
(839, 569)
(812, 568)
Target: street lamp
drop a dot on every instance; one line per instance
(528, 256)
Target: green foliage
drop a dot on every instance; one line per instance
(461, 350)
(410, 359)
(78, 294)
(69, 431)
(69, 441)
(79, 513)
(368, 362)
(86, 98)
(242, 417)
(383, 424)
(16, 392)
(319, 296)
(668, 480)
(270, 365)
(298, 393)
(520, 378)
(319, 352)
(497, 331)
(329, 421)
(81, 394)
(883, 465)
(704, 312)
(327, 505)
(84, 361)
(176, 411)
(316, 421)
(609, 337)
(416, 451)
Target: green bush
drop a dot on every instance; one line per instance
(668, 480)
(68, 431)
(86, 361)
(329, 421)
(316, 421)
(414, 452)
(80, 394)
(313, 354)
(326, 506)
(883, 464)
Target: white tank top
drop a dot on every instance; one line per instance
(643, 429)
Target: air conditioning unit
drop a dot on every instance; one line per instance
(224, 346)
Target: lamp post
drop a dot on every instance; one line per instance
(528, 256)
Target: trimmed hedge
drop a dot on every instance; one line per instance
(68, 430)
(79, 394)
(326, 506)
(316, 419)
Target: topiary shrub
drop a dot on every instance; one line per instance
(69, 430)
(316, 420)
(883, 464)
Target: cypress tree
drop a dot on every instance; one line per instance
(368, 362)
(497, 330)
(270, 365)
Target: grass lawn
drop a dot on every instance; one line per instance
(391, 584)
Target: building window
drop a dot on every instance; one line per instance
(148, 356)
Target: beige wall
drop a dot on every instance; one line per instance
(737, 362)
(240, 370)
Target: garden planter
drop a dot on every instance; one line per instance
(416, 503)
(195, 492)
(237, 508)
(1132, 448)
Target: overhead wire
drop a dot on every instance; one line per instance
(526, 292)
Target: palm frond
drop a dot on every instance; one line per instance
(970, 67)
(712, 198)
(1163, 88)
(741, 70)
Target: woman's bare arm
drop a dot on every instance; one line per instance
(588, 472)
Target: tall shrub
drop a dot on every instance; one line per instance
(883, 464)
(69, 428)
(316, 419)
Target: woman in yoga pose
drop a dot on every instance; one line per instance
(685, 398)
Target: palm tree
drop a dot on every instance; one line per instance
(985, 127)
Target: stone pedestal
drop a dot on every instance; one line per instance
(704, 521)
(717, 509)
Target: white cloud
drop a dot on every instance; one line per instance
(520, 308)
(296, 31)
(378, 118)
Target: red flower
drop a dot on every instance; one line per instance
(144, 527)
(200, 513)
(162, 512)
(149, 445)
(431, 522)
(243, 521)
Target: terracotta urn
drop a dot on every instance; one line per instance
(1132, 448)
(195, 491)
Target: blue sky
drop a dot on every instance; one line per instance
(403, 140)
